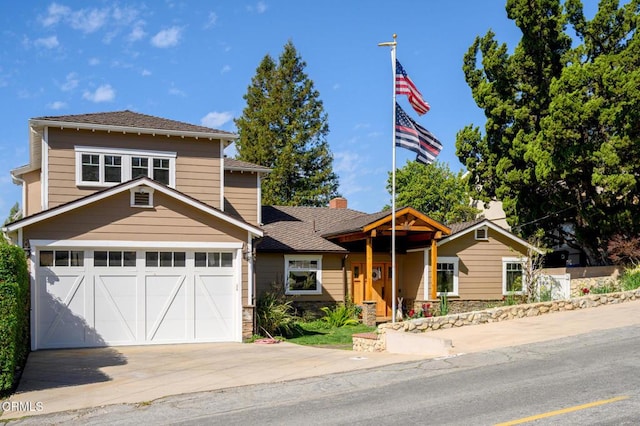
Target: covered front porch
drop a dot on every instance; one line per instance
(370, 266)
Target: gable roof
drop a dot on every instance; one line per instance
(231, 164)
(131, 120)
(309, 229)
(117, 121)
(464, 228)
(301, 229)
(140, 181)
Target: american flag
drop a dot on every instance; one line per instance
(404, 86)
(414, 137)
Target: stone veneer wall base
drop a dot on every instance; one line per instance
(502, 313)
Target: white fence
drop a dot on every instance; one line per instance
(558, 285)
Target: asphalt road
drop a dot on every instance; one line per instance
(587, 379)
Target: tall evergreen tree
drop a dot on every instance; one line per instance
(561, 139)
(284, 127)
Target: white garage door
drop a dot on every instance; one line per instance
(100, 297)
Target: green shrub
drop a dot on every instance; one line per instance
(341, 315)
(512, 299)
(444, 305)
(630, 280)
(275, 315)
(608, 287)
(14, 314)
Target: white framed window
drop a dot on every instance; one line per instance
(512, 275)
(102, 167)
(482, 234)
(447, 275)
(303, 274)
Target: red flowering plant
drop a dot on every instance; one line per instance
(585, 291)
(423, 312)
(426, 310)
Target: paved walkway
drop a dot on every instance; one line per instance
(60, 380)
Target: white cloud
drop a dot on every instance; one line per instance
(47, 42)
(216, 119)
(55, 13)
(177, 92)
(167, 38)
(88, 21)
(125, 16)
(104, 93)
(145, 72)
(351, 178)
(211, 20)
(71, 82)
(94, 61)
(260, 7)
(225, 69)
(115, 19)
(57, 105)
(137, 32)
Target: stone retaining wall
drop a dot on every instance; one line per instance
(502, 313)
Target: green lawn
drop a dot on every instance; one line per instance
(317, 334)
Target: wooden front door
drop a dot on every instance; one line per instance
(380, 286)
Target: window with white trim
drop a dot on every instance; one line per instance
(447, 276)
(106, 167)
(303, 274)
(512, 275)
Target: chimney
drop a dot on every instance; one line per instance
(338, 203)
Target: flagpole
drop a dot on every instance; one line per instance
(393, 45)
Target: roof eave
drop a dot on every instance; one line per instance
(490, 224)
(227, 137)
(55, 211)
(247, 170)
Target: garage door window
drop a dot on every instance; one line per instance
(61, 258)
(213, 260)
(114, 258)
(165, 259)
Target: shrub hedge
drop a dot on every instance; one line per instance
(14, 315)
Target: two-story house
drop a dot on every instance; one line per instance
(138, 230)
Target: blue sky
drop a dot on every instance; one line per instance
(193, 61)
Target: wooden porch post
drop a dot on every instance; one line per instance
(368, 286)
(433, 293)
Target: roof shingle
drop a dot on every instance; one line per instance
(128, 118)
(300, 229)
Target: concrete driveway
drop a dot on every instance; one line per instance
(61, 380)
(67, 379)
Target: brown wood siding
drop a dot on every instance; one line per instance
(480, 263)
(197, 162)
(244, 276)
(114, 219)
(270, 271)
(269, 268)
(412, 283)
(241, 195)
(33, 187)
